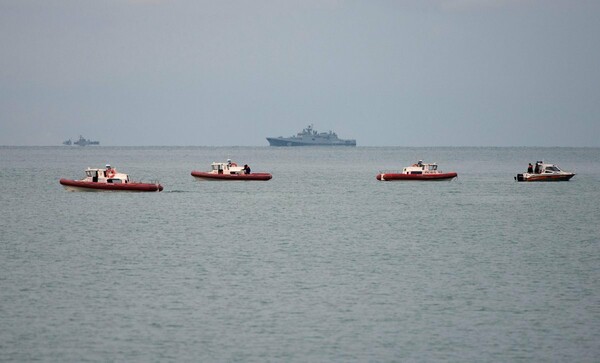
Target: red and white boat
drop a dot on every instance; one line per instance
(418, 171)
(104, 180)
(544, 172)
(230, 171)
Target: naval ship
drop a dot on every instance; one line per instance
(81, 142)
(310, 137)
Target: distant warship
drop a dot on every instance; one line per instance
(310, 137)
(81, 142)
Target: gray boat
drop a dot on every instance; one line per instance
(310, 137)
(83, 142)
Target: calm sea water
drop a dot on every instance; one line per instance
(322, 263)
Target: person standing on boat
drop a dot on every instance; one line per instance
(530, 169)
(110, 172)
(246, 169)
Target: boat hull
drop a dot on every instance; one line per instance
(415, 177)
(82, 186)
(228, 177)
(544, 178)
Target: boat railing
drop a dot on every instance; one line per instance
(390, 171)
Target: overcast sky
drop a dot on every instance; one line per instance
(387, 73)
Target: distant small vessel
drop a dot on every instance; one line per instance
(68, 142)
(310, 137)
(108, 179)
(417, 171)
(82, 142)
(230, 171)
(544, 172)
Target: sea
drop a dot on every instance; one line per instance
(323, 263)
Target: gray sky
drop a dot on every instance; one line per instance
(387, 73)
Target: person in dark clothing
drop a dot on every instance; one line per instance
(246, 169)
(530, 168)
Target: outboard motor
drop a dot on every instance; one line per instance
(519, 177)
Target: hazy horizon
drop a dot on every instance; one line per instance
(498, 73)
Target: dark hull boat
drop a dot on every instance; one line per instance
(417, 171)
(213, 176)
(87, 186)
(230, 171)
(106, 180)
(424, 177)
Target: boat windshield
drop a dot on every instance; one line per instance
(552, 168)
(432, 167)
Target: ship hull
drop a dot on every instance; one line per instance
(415, 177)
(279, 141)
(229, 177)
(82, 186)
